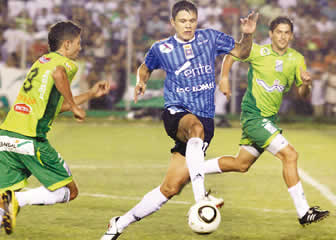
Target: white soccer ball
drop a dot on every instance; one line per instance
(204, 217)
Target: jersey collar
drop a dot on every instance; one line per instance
(278, 53)
(183, 42)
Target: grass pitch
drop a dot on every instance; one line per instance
(115, 163)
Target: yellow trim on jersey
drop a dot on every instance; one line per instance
(38, 156)
(270, 139)
(60, 184)
(16, 186)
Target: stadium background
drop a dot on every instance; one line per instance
(117, 34)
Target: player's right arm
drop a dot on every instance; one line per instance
(224, 83)
(143, 74)
(248, 26)
(63, 86)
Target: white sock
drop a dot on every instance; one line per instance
(2, 213)
(195, 162)
(149, 204)
(299, 199)
(211, 166)
(42, 196)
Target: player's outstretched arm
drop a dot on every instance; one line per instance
(63, 86)
(304, 89)
(143, 74)
(248, 26)
(224, 83)
(101, 88)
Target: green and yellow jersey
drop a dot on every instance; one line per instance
(38, 102)
(270, 76)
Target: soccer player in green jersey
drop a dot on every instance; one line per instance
(24, 148)
(273, 70)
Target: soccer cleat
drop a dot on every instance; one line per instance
(11, 211)
(314, 214)
(112, 232)
(219, 202)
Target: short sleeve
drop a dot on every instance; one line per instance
(151, 59)
(224, 43)
(253, 51)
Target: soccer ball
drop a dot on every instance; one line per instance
(204, 217)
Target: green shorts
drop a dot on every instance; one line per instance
(258, 131)
(22, 156)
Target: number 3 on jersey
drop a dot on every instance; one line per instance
(27, 86)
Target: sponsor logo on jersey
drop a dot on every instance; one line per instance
(43, 87)
(183, 67)
(44, 59)
(197, 88)
(197, 71)
(22, 108)
(265, 51)
(166, 47)
(267, 124)
(202, 42)
(188, 52)
(279, 66)
(275, 87)
(26, 99)
(68, 65)
(22, 146)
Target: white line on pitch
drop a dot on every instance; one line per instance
(96, 195)
(117, 167)
(126, 198)
(324, 190)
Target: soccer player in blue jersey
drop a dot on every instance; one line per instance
(188, 58)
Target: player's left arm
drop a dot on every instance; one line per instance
(248, 26)
(143, 75)
(224, 83)
(305, 87)
(100, 89)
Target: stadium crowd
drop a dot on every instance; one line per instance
(105, 31)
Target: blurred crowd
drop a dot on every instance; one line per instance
(106, 25)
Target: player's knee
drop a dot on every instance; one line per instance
(197, 130)
(244, 167)
(291, 157)
(73, 192)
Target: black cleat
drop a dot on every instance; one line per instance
(314, 214)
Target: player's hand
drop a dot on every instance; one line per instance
(101, 88)
(224, 87)
(305, 77)
(249, 23)
(140, 89)
(79, 113)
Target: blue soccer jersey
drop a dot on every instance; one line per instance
(190, 67)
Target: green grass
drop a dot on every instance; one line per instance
(124, 160)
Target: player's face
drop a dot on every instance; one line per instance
(74, 47)
(281, 37)
(185, 24)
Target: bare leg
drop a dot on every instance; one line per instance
(289, 157)
(239, 163)
(176, 177)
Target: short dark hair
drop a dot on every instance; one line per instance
(183, 5)
(284, 20)
(66, 30)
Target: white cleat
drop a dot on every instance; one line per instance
(112, 232)
(219, 202)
